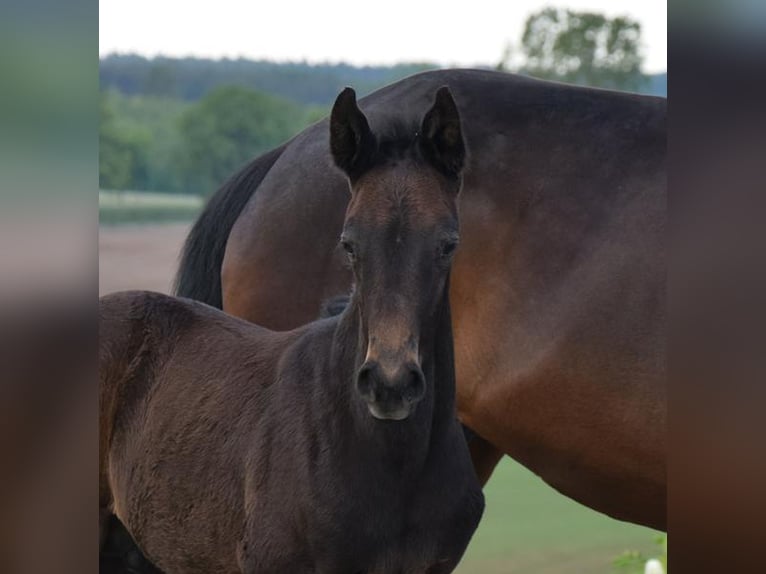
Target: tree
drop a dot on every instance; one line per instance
(122, 152)
(160, 80)
(227, 128)
(583, 48)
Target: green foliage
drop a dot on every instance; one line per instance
(160, 143)
(313, 114)
(161, 80)
(185, 125)
(629, 562)
(191, 79)
(634, 561)
(138, 139)
(122, 152)
(229, 127)
(157, 118)
(662, 542)
(583, 48)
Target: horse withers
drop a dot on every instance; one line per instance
(335, 447)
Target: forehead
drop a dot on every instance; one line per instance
(402, 191)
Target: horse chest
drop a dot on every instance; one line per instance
(368, 530)
(386, 542)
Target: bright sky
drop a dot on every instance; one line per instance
(470, 32)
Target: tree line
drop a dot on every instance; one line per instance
(158, 143)
(190, 79)
(186, 124)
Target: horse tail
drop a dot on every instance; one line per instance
(199, 274)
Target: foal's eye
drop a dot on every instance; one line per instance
(348, 248)
(448, 249)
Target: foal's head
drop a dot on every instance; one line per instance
(400, 232)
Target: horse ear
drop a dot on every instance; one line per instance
(442, 137)
(351, 141)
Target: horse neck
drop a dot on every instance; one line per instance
(433, 415)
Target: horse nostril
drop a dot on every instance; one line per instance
(364, 380)
(415, 387)
(407, 385)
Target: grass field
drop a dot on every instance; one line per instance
(131, 207)
(530, 528)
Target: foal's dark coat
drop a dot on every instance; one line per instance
(226, 447)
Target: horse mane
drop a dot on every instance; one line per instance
(396, 139)
(399, 139)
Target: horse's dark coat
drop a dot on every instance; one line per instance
(557, 291)
(226, 447)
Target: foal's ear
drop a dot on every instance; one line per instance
(351, 141)
(442, 138)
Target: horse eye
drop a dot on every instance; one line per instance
(448, 249)
(348, 248)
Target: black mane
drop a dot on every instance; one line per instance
(393, 140)
(397, 139)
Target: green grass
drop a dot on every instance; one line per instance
(130, 207)
(530, 528)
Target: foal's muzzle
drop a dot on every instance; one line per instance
(390, 395)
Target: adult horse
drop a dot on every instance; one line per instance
(335, 447)
(558, 292)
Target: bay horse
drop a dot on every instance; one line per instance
(558, 292)
(331, 448)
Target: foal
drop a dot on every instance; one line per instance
(333, 448)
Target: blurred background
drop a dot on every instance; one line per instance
(189, 92)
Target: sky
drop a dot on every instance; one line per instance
(448, 33)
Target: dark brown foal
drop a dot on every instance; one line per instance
(332, 448)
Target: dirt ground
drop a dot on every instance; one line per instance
(139, 256)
